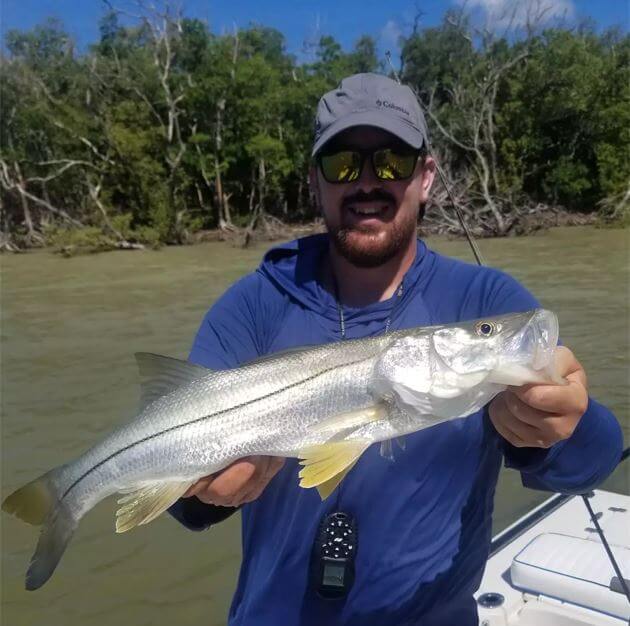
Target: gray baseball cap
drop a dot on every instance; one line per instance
(370, 100)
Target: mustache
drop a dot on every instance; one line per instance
(373, 196)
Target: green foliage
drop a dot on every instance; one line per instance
(91, 239)
(141, 234)
(73, 241)
(560, 116)
(107, 131)
(614, 210)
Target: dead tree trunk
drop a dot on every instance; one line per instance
(259, 208)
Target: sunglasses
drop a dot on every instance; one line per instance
(390, 164)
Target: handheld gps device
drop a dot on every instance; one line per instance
(334, 551)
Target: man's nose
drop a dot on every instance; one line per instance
(368, 179)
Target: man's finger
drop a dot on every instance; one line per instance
(524, 412)
(269, 467)
(274, 466)
(509, 435)
(201, 485)
(567, 365)
(517, 432)
(559, 399)
(227, 485)
(243, 481)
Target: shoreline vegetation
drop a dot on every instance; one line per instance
(164, 133)
(88, 241)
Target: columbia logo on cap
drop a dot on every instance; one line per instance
(390, 105)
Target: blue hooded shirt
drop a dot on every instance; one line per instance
(424, 520)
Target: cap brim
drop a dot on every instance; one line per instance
(396, 126)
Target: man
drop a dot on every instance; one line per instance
(424, 520)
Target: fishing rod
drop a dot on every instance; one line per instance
(460, 216)
(477, 254)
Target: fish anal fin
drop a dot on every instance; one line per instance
(146, 503)
(325, 462)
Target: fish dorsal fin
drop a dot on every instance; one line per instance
(325, 465)
(146, 503)
(163, 374)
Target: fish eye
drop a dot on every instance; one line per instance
(485, 329)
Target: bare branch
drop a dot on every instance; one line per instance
(11, 184)
(68, 163)
(85, 141)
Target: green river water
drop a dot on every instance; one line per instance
(69, 331)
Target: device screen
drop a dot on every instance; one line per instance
(334, 574)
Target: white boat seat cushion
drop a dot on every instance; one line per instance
(573, 570)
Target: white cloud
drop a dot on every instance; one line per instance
(390, 35)
(519, 13)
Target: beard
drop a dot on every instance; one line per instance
(372, 246)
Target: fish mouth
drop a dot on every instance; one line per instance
(544, 325)
(531, 353)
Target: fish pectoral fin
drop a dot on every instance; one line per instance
(163, 374)
(145, 504)
(351, 419)
(327, 464)
(387, 450)
(387, 447)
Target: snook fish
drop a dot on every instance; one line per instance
(324, 404)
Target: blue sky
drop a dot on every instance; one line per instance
(304, 20)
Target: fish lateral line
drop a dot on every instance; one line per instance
(206, 417)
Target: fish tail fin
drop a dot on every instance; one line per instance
(36, 500)
(56, 533)
(39, 503)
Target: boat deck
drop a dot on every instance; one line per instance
(562, 595)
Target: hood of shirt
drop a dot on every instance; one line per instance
(295, 269)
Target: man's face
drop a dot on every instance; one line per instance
(371, 220)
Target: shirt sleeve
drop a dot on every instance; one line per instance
(229, 334)
(231, 331)
(574, 465)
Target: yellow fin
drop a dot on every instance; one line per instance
(351, 419)
(146, 503)
(325, 462)
(33, 502)
(325, 489)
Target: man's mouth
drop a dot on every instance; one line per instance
(368, 210)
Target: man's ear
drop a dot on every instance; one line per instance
(428, 174)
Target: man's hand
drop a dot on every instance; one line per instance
(539, 415)
(241, 482)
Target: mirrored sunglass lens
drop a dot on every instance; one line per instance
(390, 165)
(341, 167)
